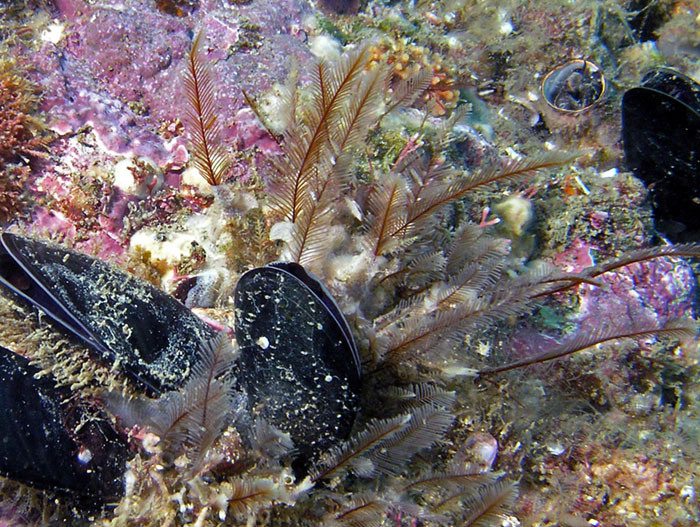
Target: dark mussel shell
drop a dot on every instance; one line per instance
(661, 135)
(302, 368)
(49, 442)
(152, 337)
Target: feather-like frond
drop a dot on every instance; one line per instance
(363, 510)
(425, 212)
(427, 426)
(461, 249)
(423, 394)
(309, 242)
(687, 250)
(200, 408)
(442, 330)
(424, 269)
(355, 118)
(386, 211)
(405, 309)
(562, 281)
(270, 441)
(484, 508)
(472, 246)
(246, 496)
(428, 178)
(193, 415)
(464, 480)
(468, 283)
(349, 456)
(208, 154)
(314, 170)
(308, 152)
(681, 329)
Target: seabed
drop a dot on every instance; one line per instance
(98, 152)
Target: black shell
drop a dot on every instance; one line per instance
(152, 336)
(300, 362)
(661, 135)
(41, 443)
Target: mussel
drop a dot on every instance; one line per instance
(574, 86)
(47, 441)
(123, 320)
(298, 363)
(661, 136)
(301, 364)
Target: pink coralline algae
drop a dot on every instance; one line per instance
(652, 293)
(661, 290)
(655, 291)
(577, 257)
(101, 243)
(248, 132)
(119, 71)
(117, 130)
(112, 89)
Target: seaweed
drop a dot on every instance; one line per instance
(201, 119)
(678, 329)
(314, 169)
(23, 136)
(193, 416)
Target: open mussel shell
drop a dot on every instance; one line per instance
(49, 442)
(151, 336)
(574, 86)
(661, 136)
(300, 362)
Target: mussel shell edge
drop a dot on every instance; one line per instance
(151, 336)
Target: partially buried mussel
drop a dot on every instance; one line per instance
(298, 363)
(47, 442)
(574, 86)
(148, 333)
(661, 136)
